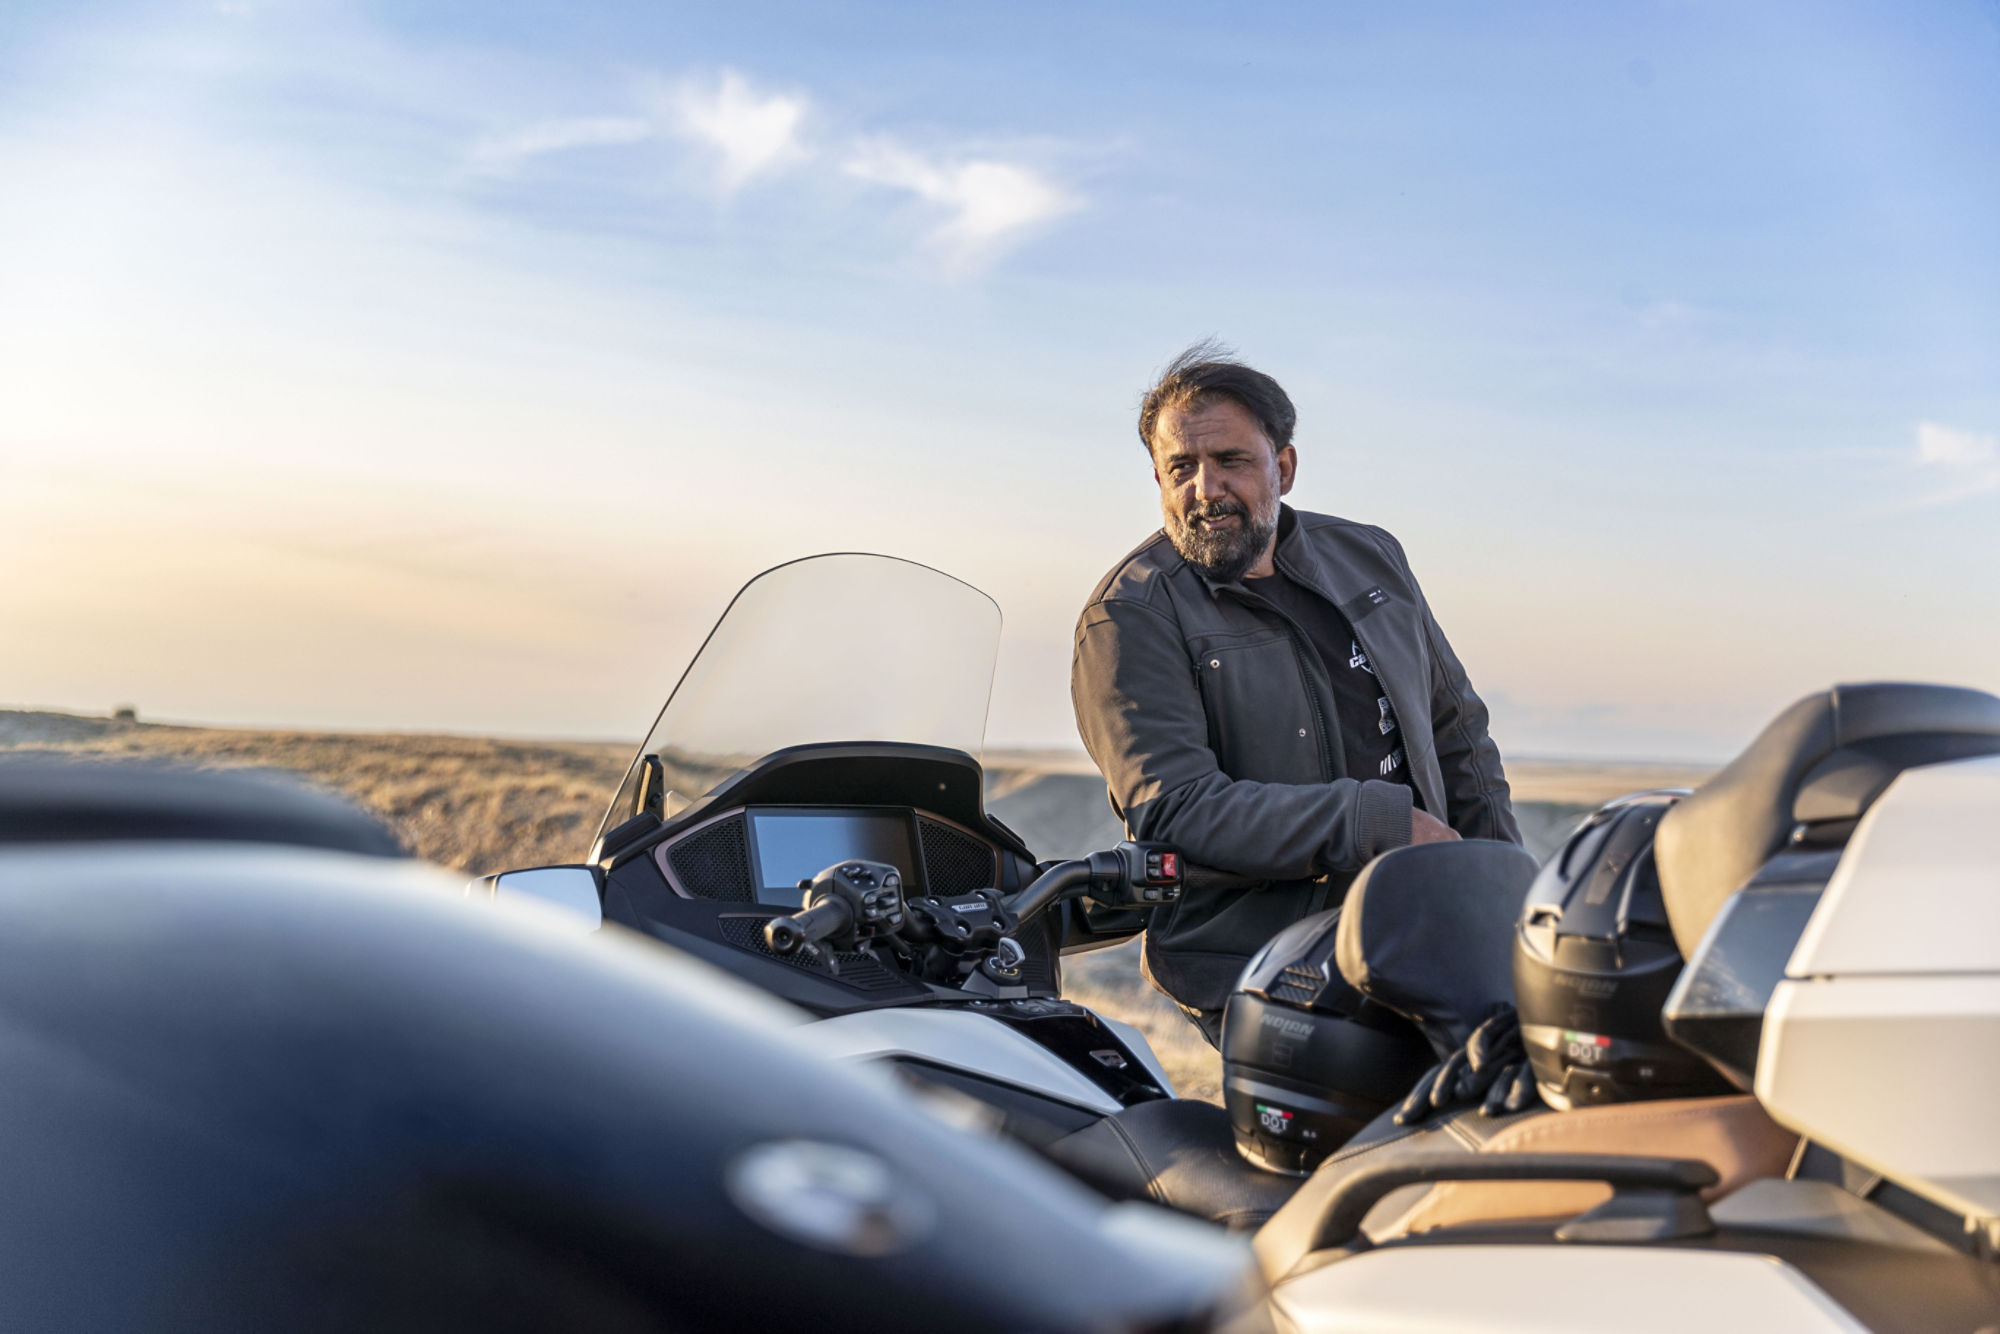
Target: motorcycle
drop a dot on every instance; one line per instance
(261, 1072)
(806, 814)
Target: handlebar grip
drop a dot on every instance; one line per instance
(787, 935)
(1059, 880)
(1207, 877)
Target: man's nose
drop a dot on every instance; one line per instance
(1208, 483)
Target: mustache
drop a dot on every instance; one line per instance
(1217, 509)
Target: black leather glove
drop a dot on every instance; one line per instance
(1517, 1094)
(1491, 1070)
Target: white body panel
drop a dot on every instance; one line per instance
(1555, 1290)
(1883, 1041)
(1900, 1074)
(974, 1043)
(1918, 889)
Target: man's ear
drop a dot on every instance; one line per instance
(1288, 467)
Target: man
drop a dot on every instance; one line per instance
(1265, 689)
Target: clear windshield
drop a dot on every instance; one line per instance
(827, 649)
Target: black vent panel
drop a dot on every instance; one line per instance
(954, 861)
(1039, 969)
(1298, 985)
(861, 971)
(713, 862)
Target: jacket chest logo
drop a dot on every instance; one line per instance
(1355, 608)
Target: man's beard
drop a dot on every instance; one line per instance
(1224, 555)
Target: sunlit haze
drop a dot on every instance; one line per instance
(447, 367)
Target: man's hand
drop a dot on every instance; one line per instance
(1427, 828)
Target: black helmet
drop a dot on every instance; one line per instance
(1306, 1059)
(1594, 960)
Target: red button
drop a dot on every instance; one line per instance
(1170, 865)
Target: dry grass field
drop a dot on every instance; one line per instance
(479, 804)
(469, 803)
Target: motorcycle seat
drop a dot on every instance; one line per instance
(88, 799)
(1406, 910)
(1411, 909)
(1806, 779)
(1428, 931)
(1178, 1153)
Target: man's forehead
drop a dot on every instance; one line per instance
(1207, 428)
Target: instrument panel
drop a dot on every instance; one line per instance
(791, 845)
(758, 854)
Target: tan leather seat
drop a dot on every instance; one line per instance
(1732, 1134)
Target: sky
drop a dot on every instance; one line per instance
(447, 367)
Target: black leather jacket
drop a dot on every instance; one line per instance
(1213, 725)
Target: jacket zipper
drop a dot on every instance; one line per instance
(1322, 891)
(1312, 694)
(1312, 698)
(1326, 764)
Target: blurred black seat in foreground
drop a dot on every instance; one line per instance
(59, 799)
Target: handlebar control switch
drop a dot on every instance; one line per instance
(873, 892)
(846, 904)
(1139, 875)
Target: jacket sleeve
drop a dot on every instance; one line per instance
(1139, 711)
(1475, 785)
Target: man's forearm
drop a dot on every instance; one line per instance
(1281, 831)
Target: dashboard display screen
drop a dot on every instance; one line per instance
(797, 845)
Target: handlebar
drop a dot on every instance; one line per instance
(1207, 877)
(787, 935)
(1135, 875)
(1049, 887)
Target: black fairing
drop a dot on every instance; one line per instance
(924, 780)
(1717, 1008)
(262, 1089)
(946, 782)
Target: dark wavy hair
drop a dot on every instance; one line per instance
(1209, 371)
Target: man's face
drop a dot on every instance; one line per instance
(1219, 486)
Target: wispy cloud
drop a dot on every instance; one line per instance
(743, 133)
(988, 205)
(1958, 463)
(982, 203)
(748, 134)
(504, 152)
